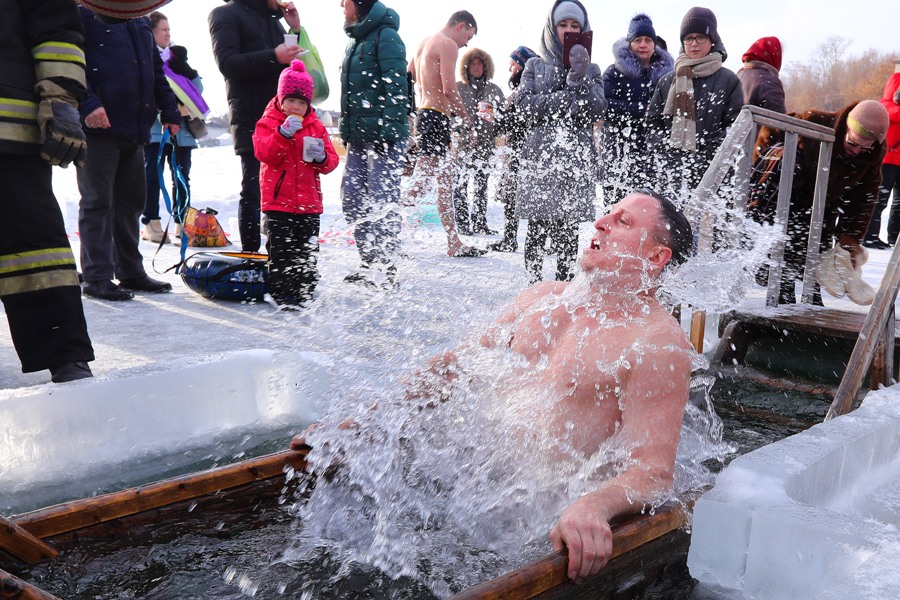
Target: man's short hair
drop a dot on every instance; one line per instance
(674, 230)
(463, 16)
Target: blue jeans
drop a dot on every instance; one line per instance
(370, 195)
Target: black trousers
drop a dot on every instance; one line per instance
(563, 236)
(293, 245)
(38, 281)
(248, 205)
(890, 183)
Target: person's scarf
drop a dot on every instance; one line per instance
(680, 103)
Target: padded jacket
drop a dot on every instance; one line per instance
(374, 91)
(244, 35)
(125, 77)
(286, 182)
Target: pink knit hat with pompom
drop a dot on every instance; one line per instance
(295, 82)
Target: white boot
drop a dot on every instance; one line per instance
(176, 235)
(153, 232)
(857, 289)
(827, 274)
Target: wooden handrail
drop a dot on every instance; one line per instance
(871, 334)
(738, 137)
(13, 588)
(70, 516)
(21, 544)
(550, 571)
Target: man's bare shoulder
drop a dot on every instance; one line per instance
(664, 332)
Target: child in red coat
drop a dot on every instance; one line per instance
(293, 148)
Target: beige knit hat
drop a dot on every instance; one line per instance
(869, 119)
(123, 9)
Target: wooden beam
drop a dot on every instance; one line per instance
(23, 545)
(13, 588)
(70, 516)
(550, 571)
(880, 314)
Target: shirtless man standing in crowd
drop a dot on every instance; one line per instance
(614, 357)
(434, 68)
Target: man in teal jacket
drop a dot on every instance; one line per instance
(374, 126)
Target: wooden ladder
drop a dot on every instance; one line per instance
(742, 137)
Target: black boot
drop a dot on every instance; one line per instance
(145, 284)
(70, 371)
(107, 290)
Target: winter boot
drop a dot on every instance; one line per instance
(856, 287)
(153, 232)
(176, 235)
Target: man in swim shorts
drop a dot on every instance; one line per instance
(617, 366)
(433, 128)
(433, 67)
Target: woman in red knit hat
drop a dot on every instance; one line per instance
(759, 75)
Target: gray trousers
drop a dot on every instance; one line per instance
(370, 197)
(113, 193)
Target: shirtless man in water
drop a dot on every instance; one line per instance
(626, 373)
(434, 67)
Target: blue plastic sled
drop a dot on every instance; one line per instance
(238, 276)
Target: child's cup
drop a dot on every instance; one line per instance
(290, 39)
(312, 148)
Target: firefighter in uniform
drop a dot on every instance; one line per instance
(42, 61)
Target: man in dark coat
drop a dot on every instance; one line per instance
(513, 126)
(126, 90)
(854, 177)
(248, 43)
(43, 67)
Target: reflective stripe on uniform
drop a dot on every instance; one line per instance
(15, 278)
(36, 282)
(28, 133)
(36, 259)
(62, 51)
(59, 59)
(11, 108)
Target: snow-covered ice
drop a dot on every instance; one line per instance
(808, 516)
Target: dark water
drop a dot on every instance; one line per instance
(238, 554)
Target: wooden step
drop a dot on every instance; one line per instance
(738, 329)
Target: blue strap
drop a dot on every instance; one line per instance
(177, 208)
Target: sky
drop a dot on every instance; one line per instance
(802, 25)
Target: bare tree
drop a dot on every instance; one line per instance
(830, 81)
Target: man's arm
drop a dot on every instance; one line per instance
(653, 399)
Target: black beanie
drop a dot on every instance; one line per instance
(699, 20)
(363, 7)
(640, 25)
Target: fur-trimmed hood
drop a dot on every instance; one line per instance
(467, 58)
(628, 64)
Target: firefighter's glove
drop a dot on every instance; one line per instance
(63, 138)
